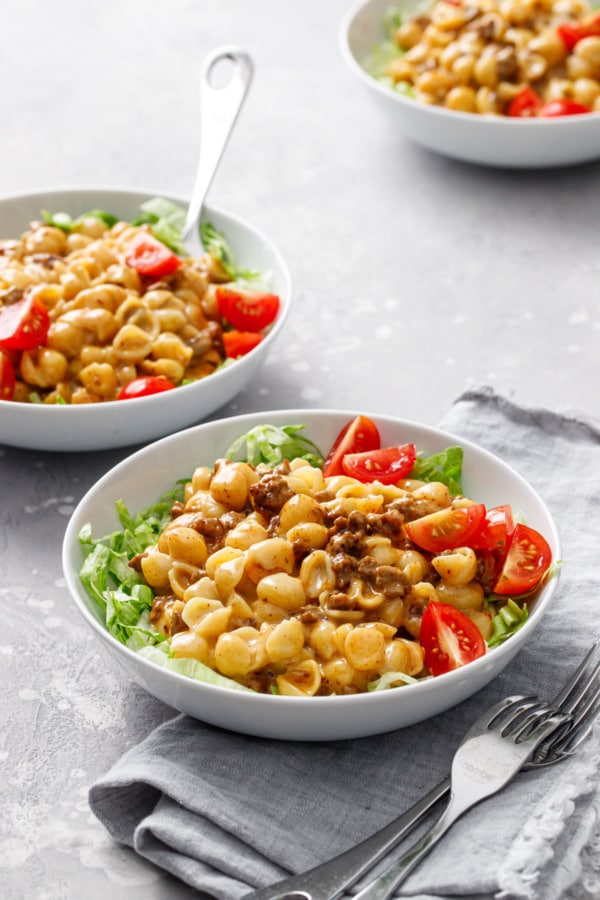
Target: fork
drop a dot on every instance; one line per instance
(490, 754)
(328, 881)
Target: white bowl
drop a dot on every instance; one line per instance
(488, 140)
(139, 481)
(120, 423)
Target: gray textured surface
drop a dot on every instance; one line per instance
(415, 278)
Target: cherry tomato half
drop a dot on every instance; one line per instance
(449, 638)
(24, 324)
(150, 257)
(573, 32)
(447, 529)
(496, 530)
(238, 343)
(387, 465)
(247, 310)
(527, 561)
(7, 377)
(555, 108)
(144, 386)
(525, 104)
(358, 435)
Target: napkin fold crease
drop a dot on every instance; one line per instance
(227, 813)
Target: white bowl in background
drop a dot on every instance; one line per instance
(140, 480)
(487, 140)
(98, 426)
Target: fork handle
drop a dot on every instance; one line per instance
(331, 879)
(385, 885)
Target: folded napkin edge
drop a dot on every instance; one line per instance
(546, 418)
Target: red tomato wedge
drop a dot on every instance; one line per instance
(24, 324)
(447, 529)
(150, 257)
(359, 435)
(449, 638)
(555, 108)
(387, 465)
(496, 530)
(527, 561)
(247, 310)
(238, 343)
(7, 377)
(525, 104)
(573, 32)
(144, 386)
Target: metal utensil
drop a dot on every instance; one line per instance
(328, 881)
(219, 108)
(491, 753)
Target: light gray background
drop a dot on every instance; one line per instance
(415, 278)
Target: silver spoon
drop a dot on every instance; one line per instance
(220, 106)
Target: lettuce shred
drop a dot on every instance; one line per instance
(191, 668)
(119, 591)
(270, 444)
(507, 621)
(445, 467)
(392, 680)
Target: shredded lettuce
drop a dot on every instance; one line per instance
(383, 53)
(271, 445)
(507, 621)
(216, 244)
(445, 467)
(166, 220)
(387, 50)
(392, 679)
(66, 223)
(34, 397)
(218, 247)
(119, 591)
(392, 20)
(191, 668)
(123, 597)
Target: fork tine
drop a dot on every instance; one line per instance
(576, 740)
(585, 701)
(536, 716)
(580, 698)
(563, 699)
(514, 712)
(582, 724)
(509, 704)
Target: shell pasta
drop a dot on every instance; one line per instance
(519, 58)
(110, 319)
(291, 582)
(282, 570)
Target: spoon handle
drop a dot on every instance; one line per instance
(220, 106)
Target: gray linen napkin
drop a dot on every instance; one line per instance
(226, 813)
